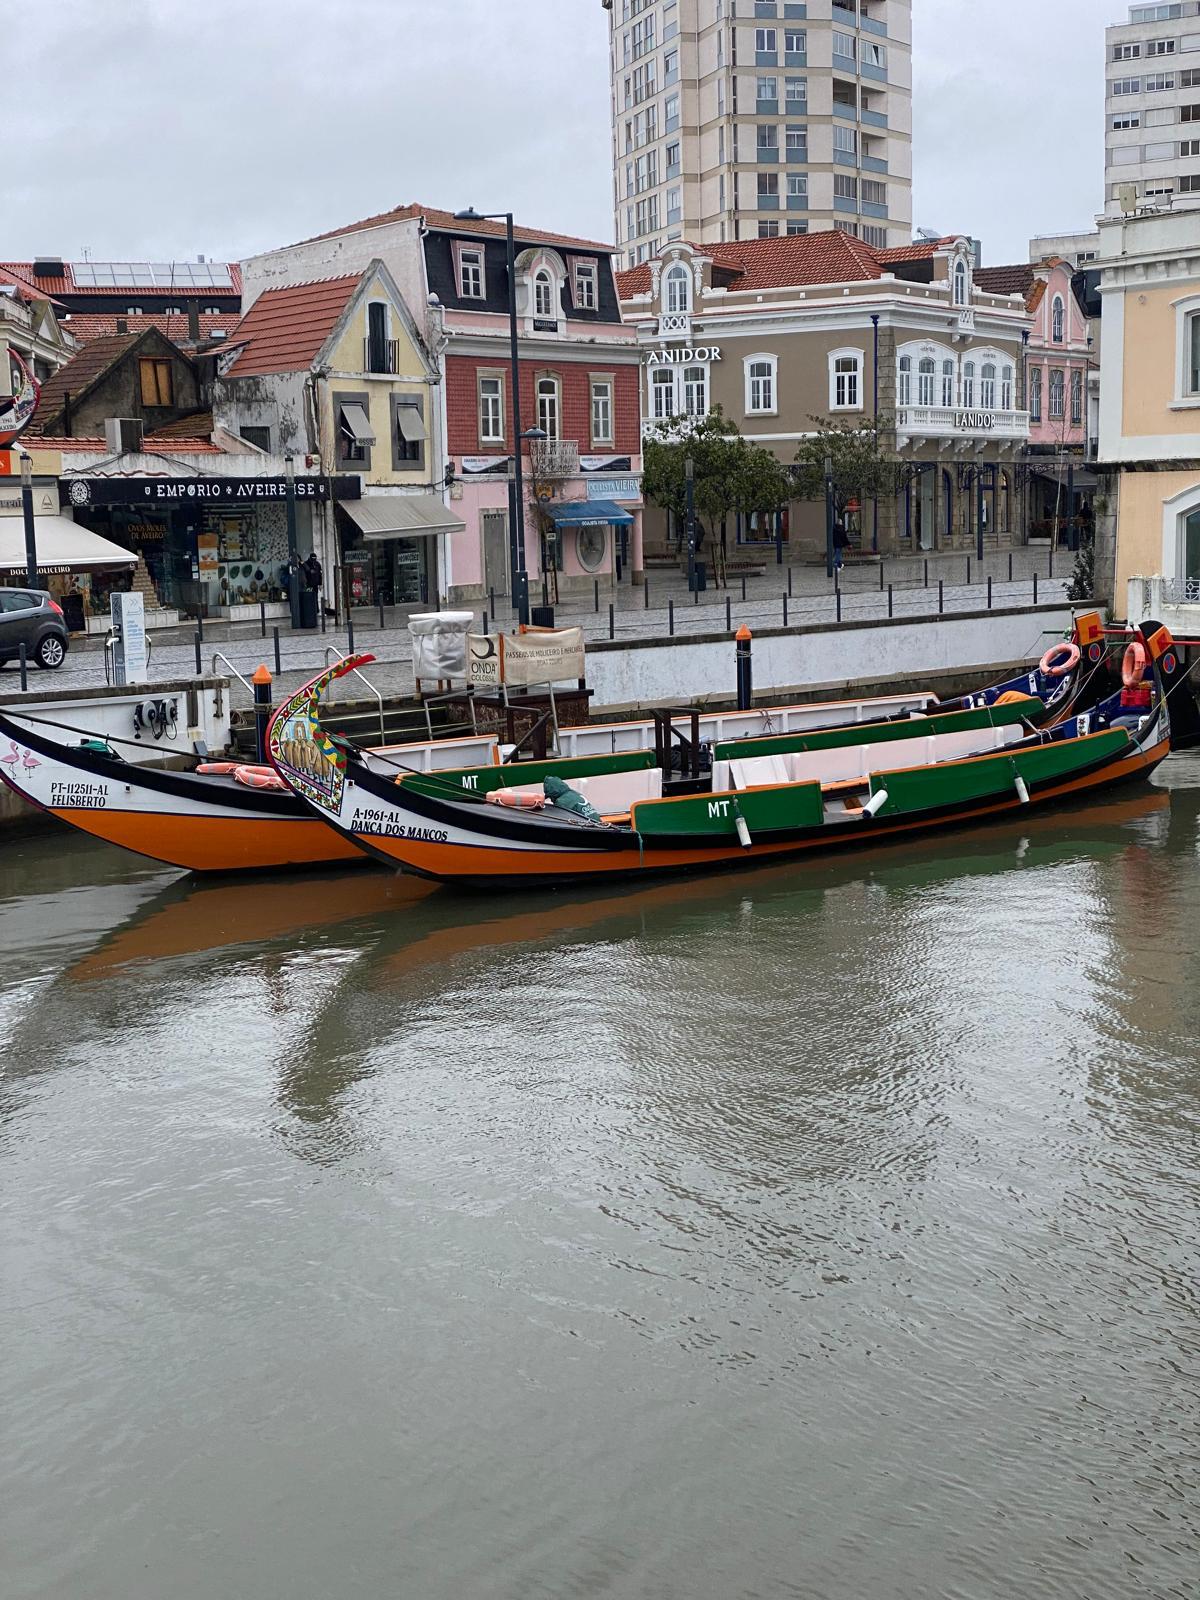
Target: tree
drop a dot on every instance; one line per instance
(731, 474)
(860, 469)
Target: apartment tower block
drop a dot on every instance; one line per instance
(1152, 109)
(743, 119)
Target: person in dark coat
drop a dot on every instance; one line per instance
(840, 540)
(311, 569)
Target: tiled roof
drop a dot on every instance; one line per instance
(806, 258)
(920, 250)
(78, 375)
(285, 328)
(64, 283)
(97, 444)
(445, 221)
(29, 289)
(90, 325)
(1016, 279)
(196, 425)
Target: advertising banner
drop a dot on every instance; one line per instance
(542, 655)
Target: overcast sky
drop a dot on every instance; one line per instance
(152, 129)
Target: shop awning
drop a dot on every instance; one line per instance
(1082, 477)
(357, 424)
(581, 513)
(62, 545)
(408, 420)
(401, 516)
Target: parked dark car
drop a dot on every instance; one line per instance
(31, 618)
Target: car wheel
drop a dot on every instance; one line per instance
(50, 651)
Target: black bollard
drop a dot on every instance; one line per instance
(881, 582)
(743, 588)
(789, 583)
(838, 605)
(745, 672)
(785, 610)
(646, 588)
(200, 627)
(728, 614)
(596, 594)
(349, 631)
(321, 609)
(262, 710)
(968, 572)
(612, 625)
(1035, 586)
(262, 618)
(24, 667)
(671, 617)
(926, 583)
(278, 660)
(1050, 562)
(492, 601)
(485, 622)
(618, 566)
(199, 663)
(989, 591)
(941, 596)
(890, 601)
(1010, 556)
(381, 623)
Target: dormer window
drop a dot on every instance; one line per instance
(543, 297)
(470, 273)
(961, 283)
(585, 285)
(677, 289)
(1058, 320)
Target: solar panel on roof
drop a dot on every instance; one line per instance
(152, 274)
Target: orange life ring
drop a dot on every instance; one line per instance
(1134, 665)
(258, 778)
(1059, 660)
(515, 799)
(216, 769)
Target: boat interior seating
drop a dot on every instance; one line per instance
(849, 763)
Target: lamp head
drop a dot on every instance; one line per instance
(535, 433)
(469, 215)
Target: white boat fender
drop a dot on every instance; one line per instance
(1022, 791)
(743, 832)
(876, 803)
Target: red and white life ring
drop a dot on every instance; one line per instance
(217, 769)
(515, 799)
(258, 778)
(1133, 667)
(1059, 660)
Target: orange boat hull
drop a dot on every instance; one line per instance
(218, 844)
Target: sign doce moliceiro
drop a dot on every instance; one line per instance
(84, 492)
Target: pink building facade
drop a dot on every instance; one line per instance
(1058, 362)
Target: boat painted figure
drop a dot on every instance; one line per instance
(635, 813)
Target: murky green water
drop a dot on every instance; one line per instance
(827, 1233)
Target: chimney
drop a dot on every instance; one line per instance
(47, 267)
(122, 324)
(193, 311)
(123, 435)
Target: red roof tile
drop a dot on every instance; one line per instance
(64, 283)
(196, 425)
(799, 259)
(29, 289)
(445, 221)
(285, 328)
(1016, 279)
(78, 376)
(90, 325)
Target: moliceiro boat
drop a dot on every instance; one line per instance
(634, 813)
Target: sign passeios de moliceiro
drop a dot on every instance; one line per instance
(201, 491)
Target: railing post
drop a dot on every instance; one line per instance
(349, 631)
(262, 618)
(381, 623)
(646, 591)
(941, 596)
(925, 585)
(278, 661)
(785, 610)
(485, 622)
(24, 666)
(1010, 566)
(612, 626)
(671, 617)
(890, 601)
(262, 709)
(989, 591)
(968, 572)
(745, 671)
(728, 614)
(199, 663)
(596, 595)
(1035, 597)
(838, 605)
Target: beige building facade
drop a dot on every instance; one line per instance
(1149, 439)
(743, 119)
(781, 334)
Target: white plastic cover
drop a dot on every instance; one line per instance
(439, 641)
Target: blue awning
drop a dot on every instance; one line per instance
(579, 513)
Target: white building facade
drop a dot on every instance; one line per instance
(1152, 108)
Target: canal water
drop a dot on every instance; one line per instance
(815, 1232)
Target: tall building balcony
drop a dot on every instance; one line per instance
(554, 458)
(959, 422)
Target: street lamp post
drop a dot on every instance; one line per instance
(520, 576)
(27, 513)
(829, 516)
(293, 564)
(689, 479)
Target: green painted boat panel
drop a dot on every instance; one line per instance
(960, 782)
(1031, 710)
(483, 780)
(714, 816)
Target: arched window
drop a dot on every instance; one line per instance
(760, 384)
(547, 406)
(905, 397)
(987, 386)
(695, 391)
(926, 374)
(845, 380)
(543, 296)
(1035, 394)
(1057, 381)
(1006, 389)
(677, 289)
(947, 383)
(1057, 319)
(960, 283)
(968, 399)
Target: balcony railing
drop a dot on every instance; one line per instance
(381, 356)
(554, 458)
(961, 422)
(677, 324)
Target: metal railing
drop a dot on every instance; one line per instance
(333, 651)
